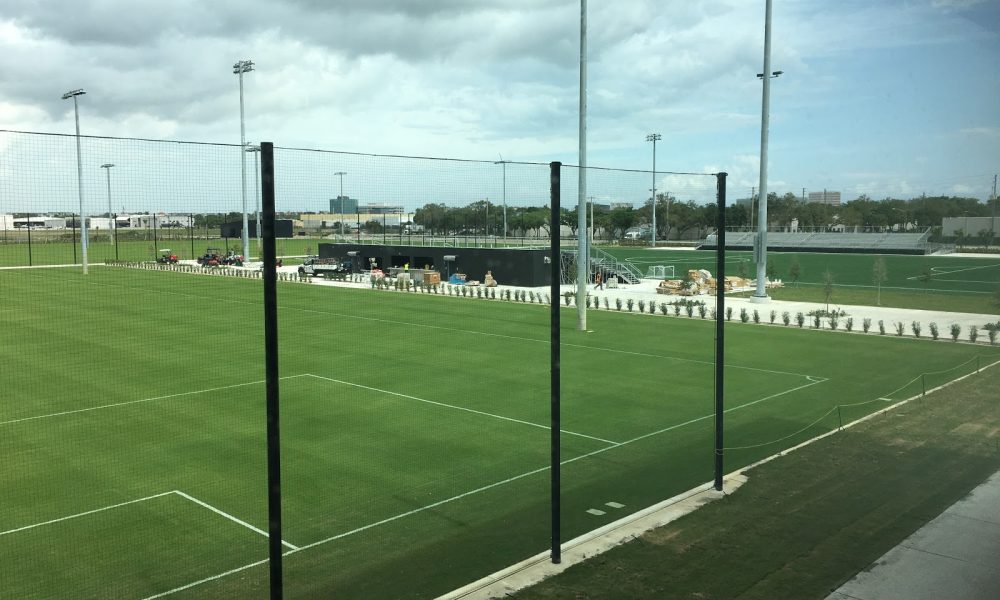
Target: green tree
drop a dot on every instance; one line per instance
(827, 288)
(794, 270)
(880, 273)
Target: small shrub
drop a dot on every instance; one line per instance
(744, 315)
(833, 320)
(531, 296)
(900, 328)
(773, 316)
(956, 330)
(677, 308)
(916, 328)
(689, 308)
(629, 303)
(715, 314)
(866, 324)
(568, 296)
(607, 304)
(881, 327)
(849, 324)
(934, 330)
(493, 293)
(465, 291)
(973, 333)
(702, 310)
(729, 313)
(618, 303)
(756, 316)
(800, 319)
(507, 295)
(786, 318)
(816, 320)
(642, 306)
(664, 309)
(652, 307)
(479, 292)
(992, 334)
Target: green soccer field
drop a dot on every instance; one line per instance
(414, 428)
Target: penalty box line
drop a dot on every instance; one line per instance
(141, 400)
(461, 408)
(145, 499)
(473, 492)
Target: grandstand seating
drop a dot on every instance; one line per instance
(829, 241)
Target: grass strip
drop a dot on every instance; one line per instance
(809, 521)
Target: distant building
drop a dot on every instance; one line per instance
(342, 205)
(615, 205)
(969, 226)
(380, 209)
(825, 197)
(6, 222)
(39, 222)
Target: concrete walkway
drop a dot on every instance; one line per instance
(954, 556)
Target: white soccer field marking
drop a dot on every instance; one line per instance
(141, 400)
(469, 493)
(461, 408)
(85, 513)
(136, 501)
(230, 517)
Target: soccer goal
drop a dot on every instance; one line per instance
(660, 272)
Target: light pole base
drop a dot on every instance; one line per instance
(760, 299)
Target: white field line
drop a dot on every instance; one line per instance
(83, 514)
(462, 408)
(950, 270)
(454, 329)
(127, 402)
(469, 493)
(205, 580)
(230, 517)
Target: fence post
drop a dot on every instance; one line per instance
(271, 372)
(840, 420)
(923, 384)
(554, 470)
(720, 331)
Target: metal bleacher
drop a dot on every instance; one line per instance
(888, 242)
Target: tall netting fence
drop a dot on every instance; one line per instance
(414, 310)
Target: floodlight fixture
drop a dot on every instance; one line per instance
(242, 66)
(72, 93)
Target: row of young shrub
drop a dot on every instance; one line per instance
(819, 319)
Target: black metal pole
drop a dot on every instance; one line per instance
(554, 173)
(720, 320)
(29, 243)
(271, 373)
(115, 217)
(74, 237)
(191, 232)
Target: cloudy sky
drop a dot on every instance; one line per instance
(895, 97)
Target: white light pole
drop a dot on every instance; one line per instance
(504, 163)
(255, 149)
(241, 67)
(654, 137)
(760, 247)
(341, 198)
(79, 175)
(111, 219)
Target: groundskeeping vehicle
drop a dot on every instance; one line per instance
(322, 266)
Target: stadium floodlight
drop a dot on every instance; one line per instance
(341, 199)
(760, 243)
(111, 220)
(654, 137)
(253, 148)
(241, 67)
(79, 175)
